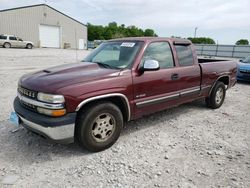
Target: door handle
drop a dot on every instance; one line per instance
(174, 76)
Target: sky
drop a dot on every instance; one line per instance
(226, 21)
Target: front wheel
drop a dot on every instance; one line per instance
(217, 96)
(99, 126)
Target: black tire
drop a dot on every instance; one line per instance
(91, 119)
(29, 46)
(7, 45)
(215, 102)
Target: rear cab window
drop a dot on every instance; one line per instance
(161, 52)
(185, 55)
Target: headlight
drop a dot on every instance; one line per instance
(50, 98)
(54, 113)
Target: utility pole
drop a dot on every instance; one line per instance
(195, 31)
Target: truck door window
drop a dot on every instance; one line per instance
(161, 52)
(185, 55)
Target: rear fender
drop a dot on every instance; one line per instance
(224, 79)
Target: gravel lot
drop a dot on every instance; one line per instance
(187, 146)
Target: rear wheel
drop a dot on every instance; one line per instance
(29, 46)
(7, 45)
(217, 96)
(99, 126)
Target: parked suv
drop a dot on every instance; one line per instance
(8, 41)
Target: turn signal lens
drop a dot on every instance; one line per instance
(57, 113)
(54, 113)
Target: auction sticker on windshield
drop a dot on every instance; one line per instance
(128, 44)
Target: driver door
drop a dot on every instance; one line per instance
(156, 90)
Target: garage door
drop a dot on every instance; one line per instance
(49, 36)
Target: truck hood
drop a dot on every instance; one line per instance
(52, 79)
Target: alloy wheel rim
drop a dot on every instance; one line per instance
(103, 127)
(219, 95)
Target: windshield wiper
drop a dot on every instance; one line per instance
(105, 65)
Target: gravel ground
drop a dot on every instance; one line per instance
(187, 146)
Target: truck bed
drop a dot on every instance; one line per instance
(212, 69)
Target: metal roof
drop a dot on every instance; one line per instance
(30, 6)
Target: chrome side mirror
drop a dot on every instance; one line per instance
(151, 65)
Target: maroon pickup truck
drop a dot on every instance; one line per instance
(121, 80)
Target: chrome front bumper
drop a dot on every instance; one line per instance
(60, 129)
(61, 134)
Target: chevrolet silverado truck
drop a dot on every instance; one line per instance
(121, 80)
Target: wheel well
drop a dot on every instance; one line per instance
(6, 43)
(224, 79)
(118, 101)
(28, 44)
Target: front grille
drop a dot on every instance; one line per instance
(27, 93)
(28, 106)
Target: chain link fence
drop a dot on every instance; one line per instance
(233, 51)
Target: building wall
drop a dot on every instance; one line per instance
(25, 23)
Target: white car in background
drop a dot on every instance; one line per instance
(9, 41)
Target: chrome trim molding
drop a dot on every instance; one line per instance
(106, 96)
(170, 97)
(55, 133)
(206, 87)
(39, 104)
(190, 91)
(156, 100)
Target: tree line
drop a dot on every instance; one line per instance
(113, 30)
(207, 40)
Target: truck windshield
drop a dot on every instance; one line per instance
(117, 54)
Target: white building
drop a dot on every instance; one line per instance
(44, 26)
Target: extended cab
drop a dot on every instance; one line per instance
(121, 80)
